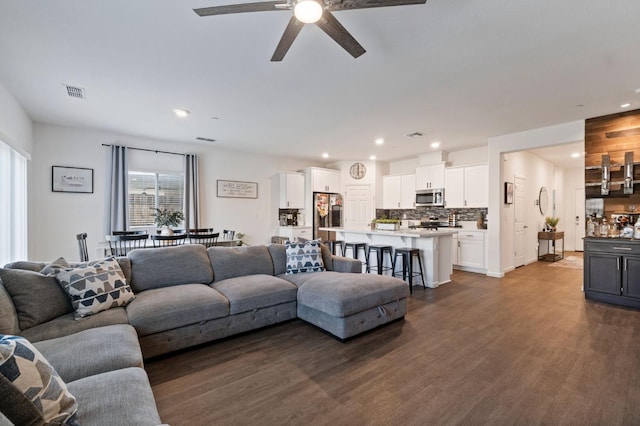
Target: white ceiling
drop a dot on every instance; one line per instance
(459, 71)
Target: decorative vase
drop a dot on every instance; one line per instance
(166, 230)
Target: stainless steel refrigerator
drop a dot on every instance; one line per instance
(327, 213)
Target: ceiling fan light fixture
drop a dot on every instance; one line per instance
(307, 11)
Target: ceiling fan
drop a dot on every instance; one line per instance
(308, 12)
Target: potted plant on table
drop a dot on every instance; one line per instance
(166, 219)
(551, 222)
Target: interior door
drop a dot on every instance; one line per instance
(358, 207)
(579, 212)
(519, 220)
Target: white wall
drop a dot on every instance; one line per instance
(15, 124)
(501, 235)
(57, 217)
(573, 179)
(469, 156)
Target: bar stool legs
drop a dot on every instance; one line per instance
(332, 244)
(407, 254)
(380, 250)
(354, 252)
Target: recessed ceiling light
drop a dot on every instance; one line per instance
(435, 144)
(575, 155)
(325, 155)
(627, 105)
(379, 141)
(181, 112)
(372, 158)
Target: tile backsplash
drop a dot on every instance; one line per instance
(424, 212)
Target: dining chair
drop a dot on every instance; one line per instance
(82, 245)
(168, 240)
(204, 236)
(228, 235)
(120, 245)
(129, 232)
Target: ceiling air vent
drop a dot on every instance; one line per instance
(414, 135)
(205, 139)
(75, 92)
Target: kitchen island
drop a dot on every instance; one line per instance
(434, 245)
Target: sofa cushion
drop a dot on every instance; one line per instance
(95, 288)
(120, 397)
(278, 254)
(67, 324)
(255, 292)
(8, 314)
(304, 257)
(37, 298)
(93, 351)
(230, 262)
(32, 392)
(167, 308)
(298, 279)
(168, 266)
(27, 265)
(341, 295)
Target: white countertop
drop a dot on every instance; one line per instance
(413, 233)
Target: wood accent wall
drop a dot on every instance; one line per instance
(612, 135)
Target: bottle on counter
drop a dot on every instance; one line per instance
(636, 229)
(591, 228)
(604, 228)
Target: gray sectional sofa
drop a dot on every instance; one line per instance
(184, 296)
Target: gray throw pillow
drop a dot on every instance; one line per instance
(32, 391)
(37, 298)
(8, 315)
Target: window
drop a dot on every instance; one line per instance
(13, 208)
(153, 190)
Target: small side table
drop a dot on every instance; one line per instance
(553, 253)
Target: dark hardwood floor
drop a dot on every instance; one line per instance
(525, 349)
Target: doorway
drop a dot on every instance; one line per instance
(579, 225)
(519, 220)
(358, 207)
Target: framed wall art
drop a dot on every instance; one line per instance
(508, 192)
(237, 189)
(71, 179)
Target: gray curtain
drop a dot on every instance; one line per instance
(117, 189)
(191, 192)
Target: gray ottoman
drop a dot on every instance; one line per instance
(346, 305)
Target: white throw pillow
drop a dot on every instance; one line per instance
(304, 257)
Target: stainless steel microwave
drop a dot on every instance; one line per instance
(430, 197)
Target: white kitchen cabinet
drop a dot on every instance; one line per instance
(476, 186)
(399, 192)
(454, 249)
(430, 177)
(454, 187)
(466, 187)
(323, 180)
(290, 190)
(292, 233)
(471, 250)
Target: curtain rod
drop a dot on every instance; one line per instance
(149, 150)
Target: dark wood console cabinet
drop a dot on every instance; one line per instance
(612, 271)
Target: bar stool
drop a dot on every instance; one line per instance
(380, 250)
(332, 246)
(407, 254)
(355, 246)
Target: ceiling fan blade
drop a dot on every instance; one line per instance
(365, 4)
(265, 6)
(290, 33)
(334, 29)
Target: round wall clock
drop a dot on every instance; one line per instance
(358, 170)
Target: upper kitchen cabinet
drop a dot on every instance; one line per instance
(430, 177)
(466, 187)
(399, 192)
(288, 190)
(323, 180)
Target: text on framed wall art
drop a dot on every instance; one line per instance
(237, 189)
